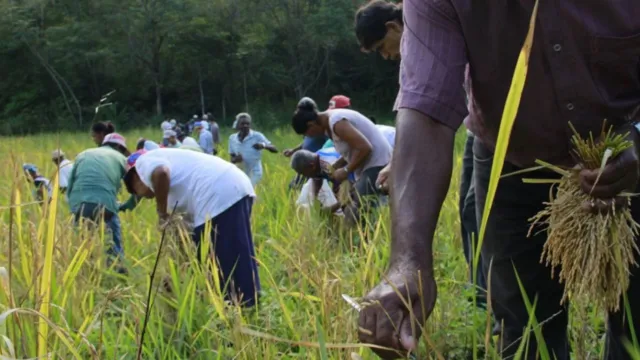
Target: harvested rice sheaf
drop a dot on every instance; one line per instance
(594, 252)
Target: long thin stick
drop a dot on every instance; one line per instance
(151, 278)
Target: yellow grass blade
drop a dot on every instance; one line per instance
(47, 273)
(506, 124)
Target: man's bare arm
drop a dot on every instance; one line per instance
(420, 177)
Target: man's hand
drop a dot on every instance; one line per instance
(383, 178)
(340, 175)
(163, 220)
(236, 158)
(424, 150)
(621, 174)
(386, 321)
(258, 146)
(288, 152)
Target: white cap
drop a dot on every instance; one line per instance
(189, 141)
(166, 125)
(169, 133)
(205, 117)
(57, 154)
(115, 138)
(173, 122)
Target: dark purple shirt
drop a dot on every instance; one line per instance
(584, 67)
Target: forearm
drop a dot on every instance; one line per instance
(271, 148)
(316, 185)
(130, 204)
(420, 177)
(161, 182)
(358, 157)
(340, 163)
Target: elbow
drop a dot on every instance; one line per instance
(365, 150)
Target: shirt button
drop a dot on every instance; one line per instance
(557, 47)
(570, 106)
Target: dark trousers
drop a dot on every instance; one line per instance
(506, 244)
(233, 249)
(92, 214)
(468, 220)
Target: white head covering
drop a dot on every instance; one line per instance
(173, 122)
(189, 141)
(169, 133)
(243, 115)
(166, 125)
(150, 145)
(57, 154)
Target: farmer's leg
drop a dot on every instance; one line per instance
(113, 223)
(506, 248)
(233, 246)
(255, 172)
(466, 178)
(619, 324)
(468, 223)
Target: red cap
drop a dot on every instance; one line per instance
(339, 102)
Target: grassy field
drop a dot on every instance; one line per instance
(61, 300)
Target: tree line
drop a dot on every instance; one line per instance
(176, 58)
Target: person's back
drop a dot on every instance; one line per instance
(380, 152)
(96, 178)
(389, 133)
(215, 133)
(206, 141)
(64, 173)
(200, 185)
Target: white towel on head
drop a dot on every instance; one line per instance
(150, 145)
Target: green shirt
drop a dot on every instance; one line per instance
(96, 178)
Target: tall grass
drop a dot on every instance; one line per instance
(306, 263)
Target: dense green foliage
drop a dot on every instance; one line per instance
(175, 58)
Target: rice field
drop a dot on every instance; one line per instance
(58, 299)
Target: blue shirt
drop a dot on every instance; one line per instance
(250, 156)
(313, 144)
(206, 141)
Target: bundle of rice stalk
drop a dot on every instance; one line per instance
(344, 193)
(593, 251)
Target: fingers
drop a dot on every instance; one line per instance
(367, 326)
(619, 175)
(605, 206)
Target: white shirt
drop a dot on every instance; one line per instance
(64, 173)
(389, 133)
(380, 152)
(203, 186)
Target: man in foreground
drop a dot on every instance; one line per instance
(93, 188)
(564, 83)
(206, 189)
